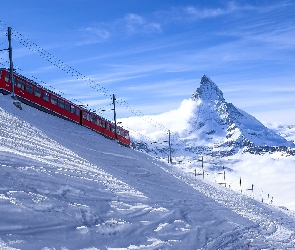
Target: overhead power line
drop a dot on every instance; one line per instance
(43, 83)
(77, 75)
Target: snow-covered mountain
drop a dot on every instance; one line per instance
(226, 127)
(63, 186)
(206, 124)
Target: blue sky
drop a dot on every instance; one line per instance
(152, 54)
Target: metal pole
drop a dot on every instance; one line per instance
(202, 163)
(114, 103)
(10, 60)
(170, 147)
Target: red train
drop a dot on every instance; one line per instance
(33, 94)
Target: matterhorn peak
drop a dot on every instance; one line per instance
(220, 123)
(208, 90)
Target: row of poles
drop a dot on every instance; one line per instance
(229, 186)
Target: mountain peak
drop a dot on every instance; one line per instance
(220, 123)
(205, 79)
(208, 90)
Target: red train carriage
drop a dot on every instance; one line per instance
(35, 95)
(105, 127)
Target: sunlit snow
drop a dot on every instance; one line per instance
(66, 187)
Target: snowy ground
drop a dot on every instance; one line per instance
(63, 186)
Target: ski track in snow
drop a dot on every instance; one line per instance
(65, 187)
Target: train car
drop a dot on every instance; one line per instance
(33, 94)
(105, 127)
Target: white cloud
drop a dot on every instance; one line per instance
(130, 24)
(267, 173)
(176, 120)
(137, 24)
(208, 13)
(100, 33)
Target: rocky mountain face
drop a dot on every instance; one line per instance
(227, 129)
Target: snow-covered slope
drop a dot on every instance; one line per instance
(63, 186)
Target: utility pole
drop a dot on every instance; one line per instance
(202, 163)
(170, 157)
(10, 60)
(114, 104)
(202, 160)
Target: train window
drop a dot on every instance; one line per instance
(53, 100)
(113, 130)
(46, 96)
(20, 84)
(72, 109)
(93, 119)
(7, 77)
(67, 107)
(37, 92)
(0, 74)
(61, 103)
(103, 124)
(126, 135)
(29, 88)
(108, 126)
(85, 115)
(77, 112)
(98, 122)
